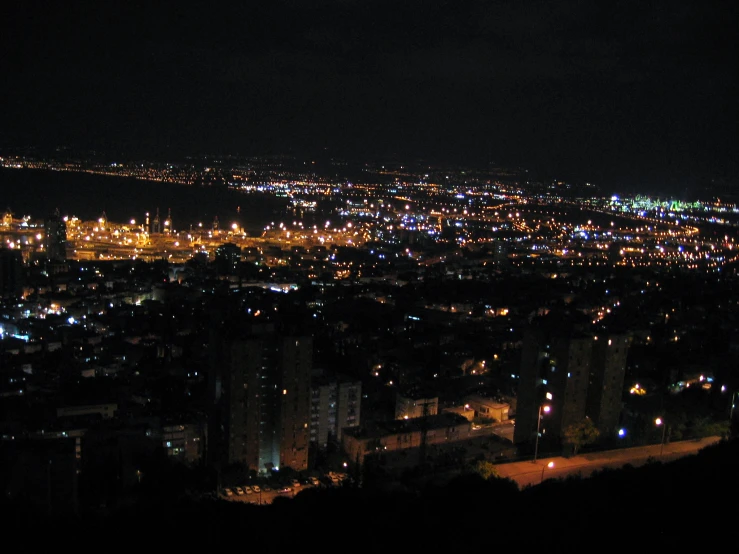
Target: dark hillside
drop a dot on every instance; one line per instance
(667, 505)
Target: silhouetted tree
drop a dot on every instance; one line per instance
(485, 469)
(580, 434)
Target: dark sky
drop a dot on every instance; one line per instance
(642, 93)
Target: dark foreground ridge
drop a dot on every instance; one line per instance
(687, 501)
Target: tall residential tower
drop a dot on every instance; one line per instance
(259, 391)
(582, 371)
(55, 237)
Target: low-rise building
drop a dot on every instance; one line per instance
(488, 408)
(415, 402)
(388, 436)
(106, 411)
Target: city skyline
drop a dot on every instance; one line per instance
(298, 270)
(622, 95)
(329, 342)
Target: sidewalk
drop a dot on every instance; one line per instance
(532, 473)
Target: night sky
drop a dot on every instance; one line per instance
(635, 93)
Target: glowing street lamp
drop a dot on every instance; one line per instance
(659, 421)
(732, 405)
(550, 465)
(546, 409)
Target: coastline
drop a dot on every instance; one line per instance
(38, 192)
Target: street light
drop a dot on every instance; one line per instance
(731, 409)
(550, 465)
(659, 421)
(545, 408)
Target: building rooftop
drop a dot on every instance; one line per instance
(394, 427)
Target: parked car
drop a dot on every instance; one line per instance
(256, 488)
(239, 491)
(295, 483)
(248, 490)
(228, 492)
(285, 490)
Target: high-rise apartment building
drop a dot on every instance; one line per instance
(228, 256)
(335, 405)
(607, 372)
(55, 237)
(582, 372)
(183, 441)
(11, 273)
(260, 397)
(555, 364)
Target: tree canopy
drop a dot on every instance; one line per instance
(580, 434)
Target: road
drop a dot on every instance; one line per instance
(265, 497)
(528, 473)
(531, 473)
